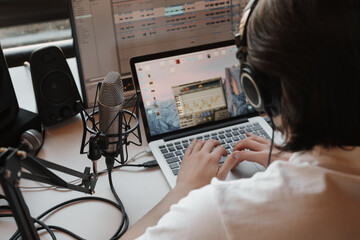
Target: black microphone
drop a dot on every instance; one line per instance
(30, 141)
(111, 101)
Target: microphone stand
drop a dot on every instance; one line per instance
(99, 141)
(12, 161)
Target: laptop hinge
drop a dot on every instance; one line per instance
(205, 129)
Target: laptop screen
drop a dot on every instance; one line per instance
(189, 88)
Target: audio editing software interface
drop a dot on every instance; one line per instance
(200, 102)
(153, 26)
(108, 33)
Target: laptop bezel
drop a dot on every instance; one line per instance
(172, 53)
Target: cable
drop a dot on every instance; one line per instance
(4, 208)
(147, 150)
(42, 224)
(2, 215)
(137, 154)
(66, 203)
(272, 140)
(127, 153)
(136, 144)
(57, 228)
(148, 164)
(3, 197)
(125, 219)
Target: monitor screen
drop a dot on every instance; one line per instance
(190, 88)
(107, 33)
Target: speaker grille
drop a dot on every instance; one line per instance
(56, 87)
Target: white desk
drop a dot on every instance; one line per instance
(138, 188)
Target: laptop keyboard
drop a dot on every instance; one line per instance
(174, 151)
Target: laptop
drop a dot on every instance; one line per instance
(194, 93)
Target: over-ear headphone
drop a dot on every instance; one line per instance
(261, 90)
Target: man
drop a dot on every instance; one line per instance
(313, 48)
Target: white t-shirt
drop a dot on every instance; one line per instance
(316, 195)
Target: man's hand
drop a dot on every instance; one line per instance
(256, 149)
(201, 160)
(200, 164)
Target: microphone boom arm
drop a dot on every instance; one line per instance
(43, 174)
(11, 163)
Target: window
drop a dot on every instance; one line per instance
(34, 33)
(29, 22)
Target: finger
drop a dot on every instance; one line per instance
(229, 163)
(257, 138)
(248, 143)
(251, 156)
(198, 146)
(190, 148)
(236, 165)
(210, 144)
(219, 151)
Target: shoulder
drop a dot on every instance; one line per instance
(302, 194)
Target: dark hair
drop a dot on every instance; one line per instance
(313, 47)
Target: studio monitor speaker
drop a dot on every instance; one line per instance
(54, 86)
(9, 107)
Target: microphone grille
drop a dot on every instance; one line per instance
(112, 91)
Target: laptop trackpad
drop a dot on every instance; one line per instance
(245, 169)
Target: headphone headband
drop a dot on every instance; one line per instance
(245, 20)
(240, 38)
(263, 92)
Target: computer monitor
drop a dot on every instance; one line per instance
(107, 33)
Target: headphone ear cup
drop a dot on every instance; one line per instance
(262, 91)
(250, 87)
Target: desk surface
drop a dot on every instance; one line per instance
(139, 189)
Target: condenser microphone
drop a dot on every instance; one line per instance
(30, 141)
(111, 101)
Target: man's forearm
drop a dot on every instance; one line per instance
(154, 215)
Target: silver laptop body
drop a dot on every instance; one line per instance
(194, 93)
